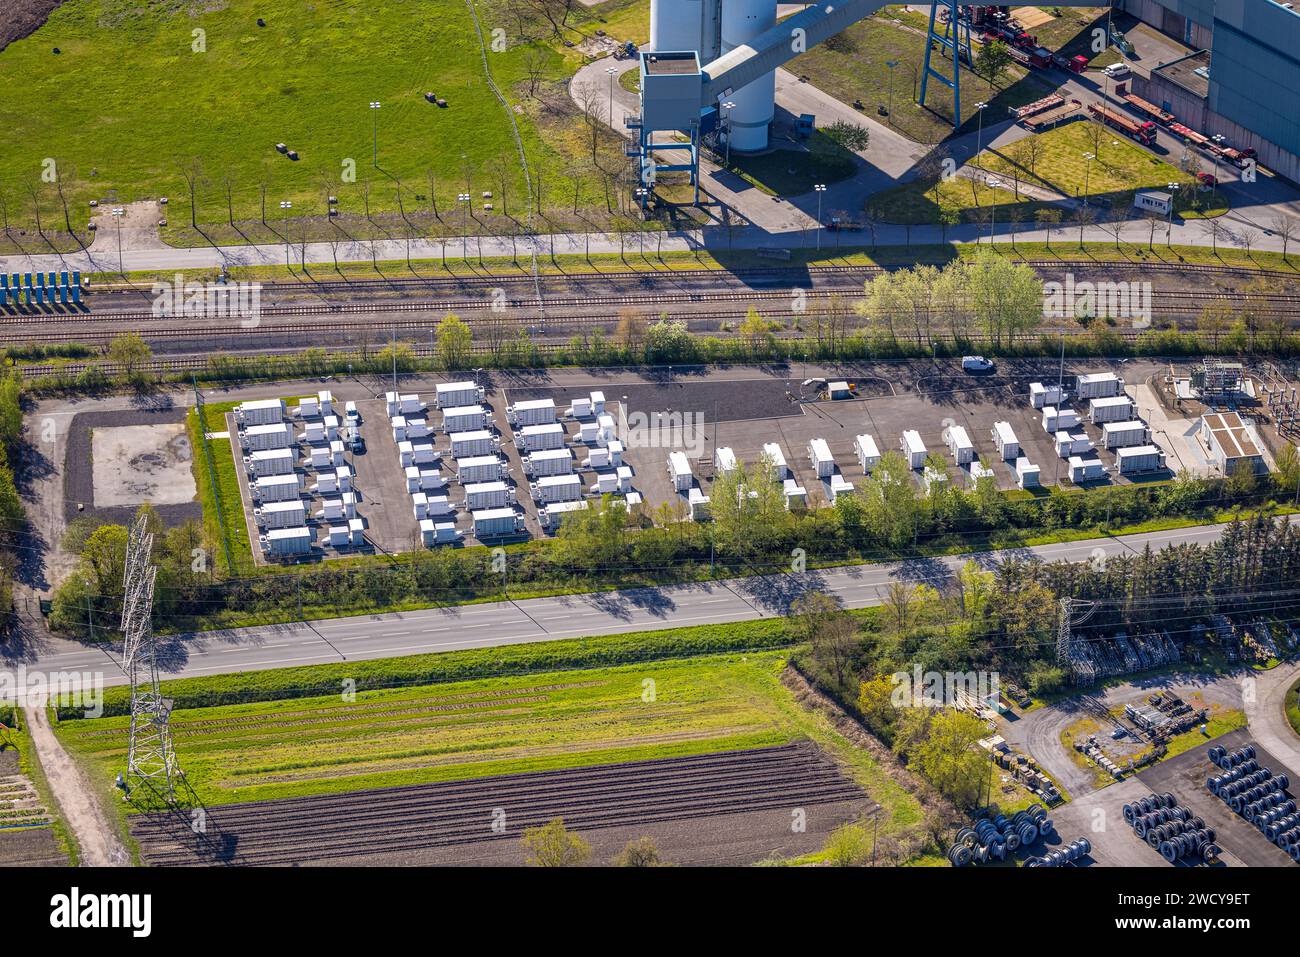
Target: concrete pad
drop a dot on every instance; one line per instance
(134, 464)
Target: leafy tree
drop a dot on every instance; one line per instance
(944, 746)
(454, 341)
(132, 353)
(849, 845)
(992, 61)
(849, 135)
(831, 632)
(553, 845)
(640, 852)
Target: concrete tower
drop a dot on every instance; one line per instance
(742, 20)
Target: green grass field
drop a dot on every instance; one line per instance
(486, 727)
(223, 509)
(1293, 706)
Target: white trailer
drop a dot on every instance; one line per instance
(309, 407)
(470, 444)
(423, 453)
(465, 418)
(479, 468)
(451, 394)
(438, 533)
(819, 456)
(548, 462)
(838, 486)
(959, 443)
(598, 459)
(1027, 473)
(531, 412)
(913, 449)
(867, 451)
(313, 432)
(1098, 385)
(724, 460)
(1070, 444)
(579, 408)
(796, 496)
(1140, 458)
(1043, 395)
(1121, 435)
(679, 471)
(1054, 419)
(697, 504)
(417, 427)
(553, 515)
(1005, 439)
(776, 461)
(535, 438)
(412, 404)
(339, 536)
(270, 462)
(286, 542)
(280, 514)
(497, 523)
(260, 412)
(423, 480)
(482, 495)
(557, 488)
(1086, 470)
(260, 438)
(1115, 408)
(276, 488)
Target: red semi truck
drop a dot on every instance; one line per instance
(1143, 132)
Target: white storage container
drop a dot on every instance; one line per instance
(438, 533)
(1027, 473)
(452, 394)
(978, 471)
(282, 542)
(308, 407)
(579, 408)
(959, 443)
(913, 449)
(270, 462)
(1044, 395)
(597, 402)
(1115, 408)
(336, 453)
(588, 433)
(933, 479)
(422, 453)
(1086, 470)
(1070, 444)
(260, 412)
(819, 456)
(557, 488)
(1140, 458)
(261, 438)
(482, 495)
(605, 430)
(1005, 439)
(479, 468)
(276, 488)
(423, 480)
(420, 505)
(1056, 420)
(327, 483)
(497, 522)
(615, 449)
(357, 529)
(339, 536)
(469, 444)
(796, 496)
(548, 462)
(598, 459)
(776, 460)
(417, 427)
(697, 504)
(281, 514)
(465, 418)
(321, 457)
(535, 438)
(606, 483)
(1119, 435)
(531, 412)
(406, 453)
(313, 432)
(331, 424)
(864, 446)
(332, 509)
(392, 404)
(724, 460)
(1098, 385)
(437, 505)
(325, 400)
(344, 473)
(411, 404)
(553, 515)
(679, 471)
(839, 485)
(398, 423)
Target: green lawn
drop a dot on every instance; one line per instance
(128, 105)
(1293, 706)
(223, 510)
(1119, 168)
(787, 172)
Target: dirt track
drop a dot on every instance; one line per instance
(735, 807)
(20, 18)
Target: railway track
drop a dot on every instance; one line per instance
(423, 816)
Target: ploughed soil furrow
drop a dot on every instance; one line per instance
(422, 816)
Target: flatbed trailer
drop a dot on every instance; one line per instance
(1148, 110)
(1049, 119)
(1144, 133)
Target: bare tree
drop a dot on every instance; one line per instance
(228, 190)
(1212, 229)
(588, 98)
(433, 194)
(193, 175)
(34, 190)
(1282, 224)
(1248, 236)
(1083, 217)
(534, 68)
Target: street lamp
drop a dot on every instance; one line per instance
(1087, 175)
(1173, 198)
(728, 106)
(993, 183)
(288, 260)
(118, 213)
(465, 198)
(891, 64)
(374, 106)
(819, 188)
(642, 196)
(979, 132)
(613, 72)
(1219, 140)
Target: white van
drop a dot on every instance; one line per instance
(1117, 71)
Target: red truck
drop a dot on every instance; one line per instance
(1143, 132)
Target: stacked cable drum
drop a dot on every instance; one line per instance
(1256, 794)
(992, 839)
(1171, 829)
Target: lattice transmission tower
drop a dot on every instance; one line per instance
(150, 760)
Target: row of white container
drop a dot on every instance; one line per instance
(283, 488)
(261, 464)
(289, 512)
(299, 539)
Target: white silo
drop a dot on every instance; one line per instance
(742, 20)
(676, 25)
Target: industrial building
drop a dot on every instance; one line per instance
(1242, 80)
(1230, 443)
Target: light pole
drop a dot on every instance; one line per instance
(979, 130)
(728, 106)
(819, 188)
(1087, 175)
(891, 64)
(288, 258)
(642, 196)
(118, 213)
(374, 111)
(1173, 197)
(613, 72)
(993, 208)
(1219, 140)
(465, 198)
